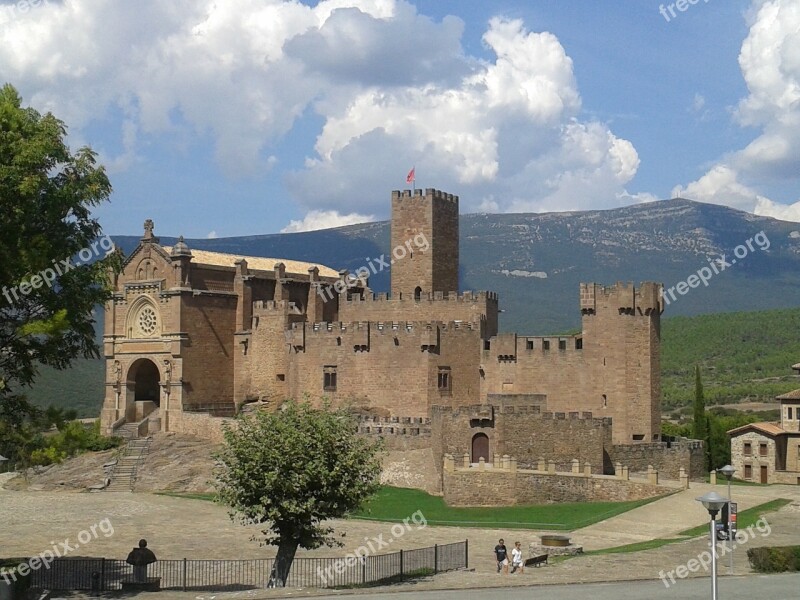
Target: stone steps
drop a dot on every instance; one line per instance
(124, 476)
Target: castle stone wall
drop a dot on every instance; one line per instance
(667, 459)
(490, 487)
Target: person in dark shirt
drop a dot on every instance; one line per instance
(501, 554)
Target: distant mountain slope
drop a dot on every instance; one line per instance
(536, 261)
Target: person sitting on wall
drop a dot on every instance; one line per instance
(140, 558)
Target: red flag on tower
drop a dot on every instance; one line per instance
(411, 178)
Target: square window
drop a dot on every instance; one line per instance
(762, 449)
(329, 378)
(562, 344)
(545, 344)
(529, 345)
(444, 380)
(748, 449)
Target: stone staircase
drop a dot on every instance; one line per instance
(123, 477)
(128, 431)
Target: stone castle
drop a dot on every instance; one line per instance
(191, 336)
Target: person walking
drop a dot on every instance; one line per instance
(516, 558)
(501, 554)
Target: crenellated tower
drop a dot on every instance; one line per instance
(424, 242)
(622, 332)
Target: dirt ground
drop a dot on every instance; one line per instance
(183, 463)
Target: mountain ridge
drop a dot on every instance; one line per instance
(536, 261)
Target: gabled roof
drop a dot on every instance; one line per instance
(257, 263)
(793, 395)
(771, 429)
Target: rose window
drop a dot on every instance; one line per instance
(147, 321)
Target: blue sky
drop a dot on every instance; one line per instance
(244, 117)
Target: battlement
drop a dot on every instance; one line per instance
(518, 409)
(464, 297)
(272, 305)
(396, 426)
(429, 194)
(396, 327)
(622, 297)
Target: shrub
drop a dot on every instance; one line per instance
(47, 456)
(19, 583)
(774, 560)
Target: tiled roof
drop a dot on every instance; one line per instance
(767, 428)
(258, 263)
(793, 395)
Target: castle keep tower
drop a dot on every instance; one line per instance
(424, 242)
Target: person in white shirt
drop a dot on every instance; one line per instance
(516, 558)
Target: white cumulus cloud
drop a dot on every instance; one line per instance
(770, 64)
(325, 219)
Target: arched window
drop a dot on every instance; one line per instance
(418, 293)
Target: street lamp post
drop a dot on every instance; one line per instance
(728, 472)
(713, 502)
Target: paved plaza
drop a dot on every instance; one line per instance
(178, 528)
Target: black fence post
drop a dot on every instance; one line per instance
(435, 558)
(102, 574)
(184, 574)
(466, 554)
(401, 563)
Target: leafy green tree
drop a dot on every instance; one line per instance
(700, 430)
(292, 470)
(46, 297)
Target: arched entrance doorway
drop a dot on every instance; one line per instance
(480, 447)
(143, 378)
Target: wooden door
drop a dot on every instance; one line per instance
(480, 447)
(763, 474)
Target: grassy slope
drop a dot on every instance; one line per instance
(392, 504)
(743, 356)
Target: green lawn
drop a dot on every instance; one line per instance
(395, 504)
(745, 518)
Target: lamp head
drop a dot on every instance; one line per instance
(727, 470)
(713, 502)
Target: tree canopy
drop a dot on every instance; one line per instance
(292, 470)
(54, 264)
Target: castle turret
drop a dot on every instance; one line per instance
(424, 242)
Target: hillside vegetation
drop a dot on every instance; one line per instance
(744, 357)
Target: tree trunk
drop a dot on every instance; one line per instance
(283, 562)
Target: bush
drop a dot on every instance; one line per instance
(73, 437)
(774, 560)
(19, 587)
(47, 456)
